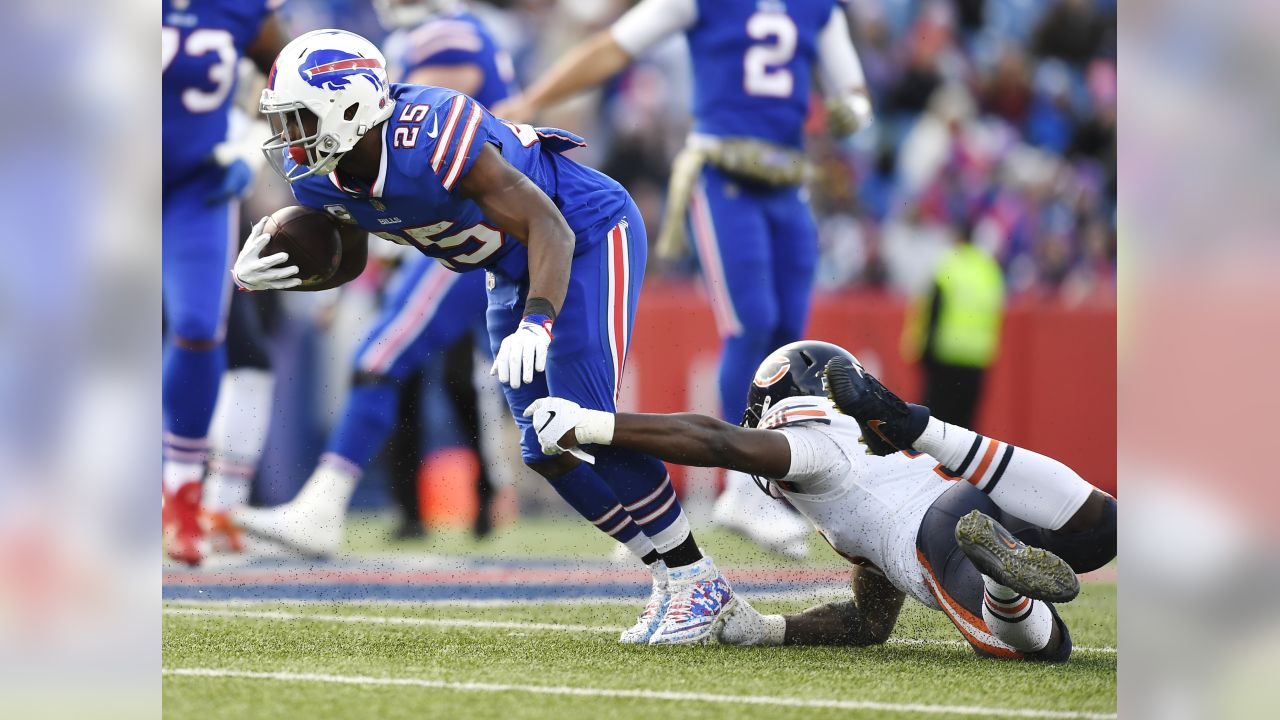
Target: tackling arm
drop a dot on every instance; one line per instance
(683, 438)
(520, 209)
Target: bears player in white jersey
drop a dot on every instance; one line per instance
(739, 181)
(563, 249)
(990, 534)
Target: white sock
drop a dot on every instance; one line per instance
(330, 487)
(1023, 483)
(183, 461)
(237, 435)
(1018, 621)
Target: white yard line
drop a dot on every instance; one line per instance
(482, 624)
(909, 708)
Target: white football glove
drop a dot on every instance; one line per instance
(252, 272)
(522, 353)
(553, 417)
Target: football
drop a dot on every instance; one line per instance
(310, 237)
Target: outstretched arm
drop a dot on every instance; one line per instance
(683, 438)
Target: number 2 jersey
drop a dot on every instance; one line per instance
(201, 43)
(752, 60)
(429, 144)
(868, 508)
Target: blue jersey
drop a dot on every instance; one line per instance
(432, 139)
(752, 63)
(201, 43)
(457, 38)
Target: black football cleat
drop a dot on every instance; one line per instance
(1033, 572)
(888, 424)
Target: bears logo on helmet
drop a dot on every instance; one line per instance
(791, 370)
(773, 369)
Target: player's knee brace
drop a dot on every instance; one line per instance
(1090, 549)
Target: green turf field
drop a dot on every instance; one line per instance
(549, 660)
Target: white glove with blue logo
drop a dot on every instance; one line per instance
(523, 352)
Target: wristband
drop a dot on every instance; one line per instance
(539, 306)
(595, 428)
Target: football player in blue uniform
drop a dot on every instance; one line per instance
(201, 46)
(563, 250)
(429, 308)
(739, 181)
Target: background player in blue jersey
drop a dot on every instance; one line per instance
(562, 246)
(201, 44)
(430, 307)
(740, 179)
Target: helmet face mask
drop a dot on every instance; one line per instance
(327, 89)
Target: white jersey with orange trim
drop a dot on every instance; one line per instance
(868, 508)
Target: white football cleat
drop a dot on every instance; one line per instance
(654, 610)
(761, 519)
(700, 597)
(308, 528)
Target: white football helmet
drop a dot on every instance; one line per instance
(396, 14)
(341, 79)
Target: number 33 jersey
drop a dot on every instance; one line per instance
(201, 43)
(429, 144)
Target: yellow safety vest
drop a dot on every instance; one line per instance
(970, 308)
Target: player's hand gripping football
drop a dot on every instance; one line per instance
(253, 272)
(523, 352)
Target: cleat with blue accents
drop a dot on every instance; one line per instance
(701, 601)
(659, 597)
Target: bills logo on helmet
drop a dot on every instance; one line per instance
(772, 370)
(331, 69)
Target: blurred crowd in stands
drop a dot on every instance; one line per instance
(994, 117)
